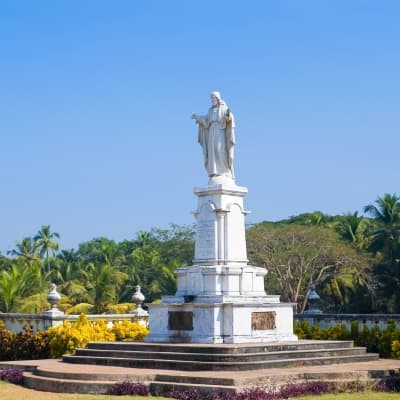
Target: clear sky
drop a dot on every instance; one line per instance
(96, 137)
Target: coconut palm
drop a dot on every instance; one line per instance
(352, 228)
(45, 243)
(26, 249)
(105, 283)
(70, 275)
(385, 233)
(19, 283)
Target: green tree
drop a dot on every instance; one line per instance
(316, 218)
(104, 286)
(44, 242)
(71, 277)
(26, 249)
(298, 256)
(384, 236)
(385, 233)
(352, 228)
(17, 284)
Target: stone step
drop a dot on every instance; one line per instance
(48, 384)
(217, 366)
(57, 385)
(241, 357)
(194, 380)
(87, 376)
(222, 348)
(56, 376)
(82, 374)
(158, 388)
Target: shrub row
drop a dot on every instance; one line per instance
(290, 390)
(386, 341)
(64, 338)
(23, 346)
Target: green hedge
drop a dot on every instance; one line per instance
(386, 341)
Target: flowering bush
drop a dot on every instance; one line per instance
(128, 331)
(127, 387)
(396, 349)
(65, 338)
(269, 393)
(12, 375)
(391, 384)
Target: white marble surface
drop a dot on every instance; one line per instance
(220, 217)
(216, 135)
(221, 323)
(230, 280)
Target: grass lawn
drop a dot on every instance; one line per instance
(15, 392)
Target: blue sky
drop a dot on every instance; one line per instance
(96, 96)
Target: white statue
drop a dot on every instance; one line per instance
(217, 138)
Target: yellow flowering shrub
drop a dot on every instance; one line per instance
(396, 349)
(67, 337)
(128, 331)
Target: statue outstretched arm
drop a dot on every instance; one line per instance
(200, 120)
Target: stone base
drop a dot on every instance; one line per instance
(244, 320)
(229, 280)
(220, 298)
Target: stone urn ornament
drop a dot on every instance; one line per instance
(53, 297)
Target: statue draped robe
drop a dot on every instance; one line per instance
(217, 138)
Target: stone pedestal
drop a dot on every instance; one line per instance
(220, 298)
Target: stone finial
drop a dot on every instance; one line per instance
(138, 313)
(313, 301)
(53, 297)
(138, 297)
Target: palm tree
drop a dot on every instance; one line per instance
(70, 276)
(386, 232)
(26, 249)
(352, 228)
(45, 243)
(18, 284)
(105, 283)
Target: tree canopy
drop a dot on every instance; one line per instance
(353, 260)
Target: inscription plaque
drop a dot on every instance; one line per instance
(261, 321)
(205, 239)
(180, 320)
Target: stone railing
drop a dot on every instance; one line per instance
(39, 322)
(17, 322)
(369, 320)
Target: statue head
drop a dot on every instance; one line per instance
(215, 98)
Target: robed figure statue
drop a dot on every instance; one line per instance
(217, 137)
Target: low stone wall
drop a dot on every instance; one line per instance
(17, 322)
(369, 320)
(39, 322)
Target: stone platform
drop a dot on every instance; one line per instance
(57, 376)
(219, 357)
